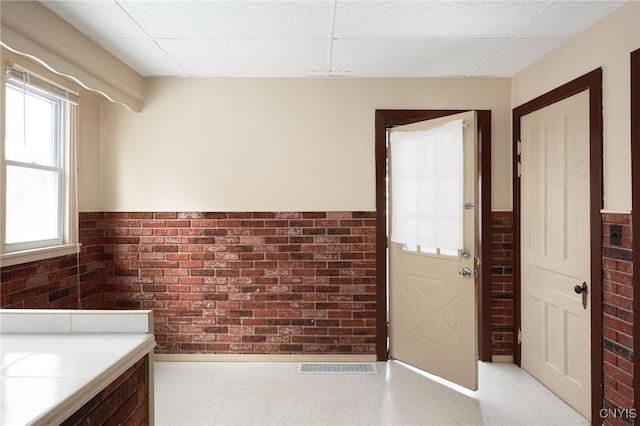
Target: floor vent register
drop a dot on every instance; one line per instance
(338, 367)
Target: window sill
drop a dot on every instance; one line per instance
(19, 257)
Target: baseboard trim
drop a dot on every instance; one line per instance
(261, 358)
(502, 359)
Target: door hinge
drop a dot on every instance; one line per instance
(519, 153)
(519, 336)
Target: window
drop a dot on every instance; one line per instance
(39, 185)
(427, 189)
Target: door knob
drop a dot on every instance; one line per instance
(582, 289)
(465, 272)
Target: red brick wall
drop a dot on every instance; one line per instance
(280, 283)
(618, 319)
(247, 282)
(125, 401)
(63, 282)
(502, 283)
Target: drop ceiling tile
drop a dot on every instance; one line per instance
(143, 56)
(293, 38)
(516, 55)
(565, 19)
(233, 19)
(250, 58)
(433, 19)
(97, 19)
(410, 58)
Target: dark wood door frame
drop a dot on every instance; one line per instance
(635, 211)
(593, 82)
(385, 119)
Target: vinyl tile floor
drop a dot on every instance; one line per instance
(277, 393)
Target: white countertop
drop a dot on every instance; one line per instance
(46, 377)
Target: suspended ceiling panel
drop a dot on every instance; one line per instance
(330, 37)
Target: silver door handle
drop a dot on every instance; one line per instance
(465, 272)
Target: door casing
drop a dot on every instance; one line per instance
(635, 206)
(390, 118)
(593, 82)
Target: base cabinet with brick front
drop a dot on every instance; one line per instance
(76, 367)
(125, 401)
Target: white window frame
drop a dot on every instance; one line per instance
(68, 243)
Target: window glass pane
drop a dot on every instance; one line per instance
(409, 247)
(449, 252)
(429, 250)
(31, 131)
(32, 205)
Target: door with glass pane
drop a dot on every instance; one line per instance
(432, 285)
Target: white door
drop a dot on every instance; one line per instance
(555, 249)
(432, 312)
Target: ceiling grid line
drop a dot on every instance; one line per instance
(154, 41)
(332, 37)
(489, 57)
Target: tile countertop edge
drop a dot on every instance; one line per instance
(85, 393)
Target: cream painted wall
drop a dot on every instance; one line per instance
(215, 144)
(88, 150)
(606, 44)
